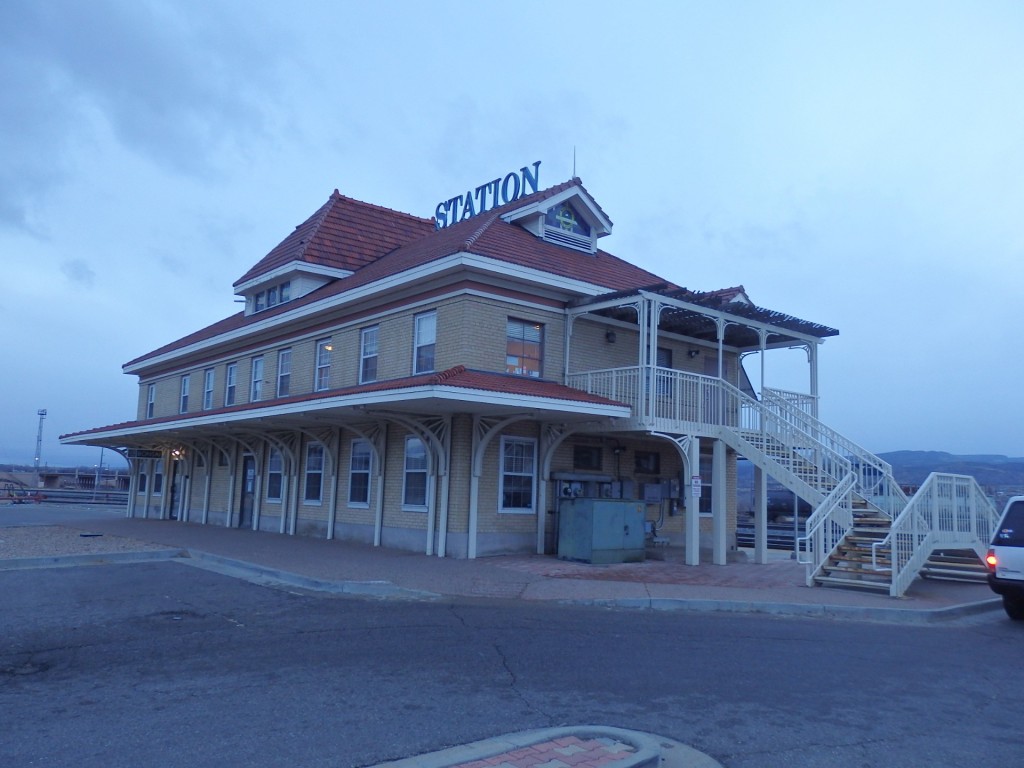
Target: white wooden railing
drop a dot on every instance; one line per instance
(827, 526)
(949, 511)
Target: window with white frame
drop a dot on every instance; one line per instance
(368, 354)
(142, 480)
(275, 475)
(518, 473)
(284, 372)
(414, 491)
(158, 478)
(704, 504)
(314, 473)
(524, 344)
(425, 338)
(322, 380)
(183, 405)
(359, 468)
(230, 382)
(150, 400)
(256, 389)
(208, 389)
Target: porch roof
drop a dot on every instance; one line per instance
(456, 390)
(695, 314)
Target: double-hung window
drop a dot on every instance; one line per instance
(183, 405)
(359, 474)
(150, 400)
(256, 388)
(230, 381)
(275, 475)
(323, 364)
(368, 354)
(314, 473)
(414, 492)
(284, 372)
(425, 338)
(524, 345)
(158, 477)
(518, 473)
(208, 389)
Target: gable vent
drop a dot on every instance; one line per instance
(569, 239)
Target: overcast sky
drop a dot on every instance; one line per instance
(856, 164)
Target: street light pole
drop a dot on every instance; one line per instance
(41, 413)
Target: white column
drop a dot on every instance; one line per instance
(150, 464)
(208, 466)
(232, 482)
(133, 487)
(719, 494)
(760, 516)
(693, 505)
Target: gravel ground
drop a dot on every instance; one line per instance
(54, 540)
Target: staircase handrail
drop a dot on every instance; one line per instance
(880, 482)
(824, 458)
(947, 509)
(818, 542)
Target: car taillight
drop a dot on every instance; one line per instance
(991, 560)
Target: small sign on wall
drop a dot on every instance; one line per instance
(695, 486)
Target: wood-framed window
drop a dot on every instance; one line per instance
(256, 386)
(314, 485)
(524, 348)
(275, 475)
(322, 379)
(208, 375)
(368, 340)
(517, 481)
(414, 486)
(424, 342)
(284, 372)
(150, 400)
(359, 467)
(230, 383)
(186, 381)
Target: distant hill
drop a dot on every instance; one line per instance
(912, 467)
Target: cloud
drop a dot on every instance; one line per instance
(177, 86)
(78, 271)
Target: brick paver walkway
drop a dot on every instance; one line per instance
(566, 752)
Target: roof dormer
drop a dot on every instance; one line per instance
(570, 218)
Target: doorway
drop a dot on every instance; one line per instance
(248, 491)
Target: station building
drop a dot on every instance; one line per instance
(448, 385)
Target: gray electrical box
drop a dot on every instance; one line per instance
(601, 530)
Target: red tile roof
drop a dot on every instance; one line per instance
(458, 376)
(344, 234)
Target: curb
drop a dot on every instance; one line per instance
(258, 574)
(799, 610)
(100, 558)
(650, 750)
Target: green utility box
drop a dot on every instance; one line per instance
(601, 531)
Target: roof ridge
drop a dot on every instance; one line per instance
(491, 217)
(340, 196)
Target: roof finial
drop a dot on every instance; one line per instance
(574, 161)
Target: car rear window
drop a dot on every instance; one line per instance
(1011, 530)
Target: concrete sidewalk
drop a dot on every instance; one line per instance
(775, 588)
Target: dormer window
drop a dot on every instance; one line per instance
(564, 225)
(271, 297)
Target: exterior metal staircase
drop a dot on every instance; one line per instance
(864, 532)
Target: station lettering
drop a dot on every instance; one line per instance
(487, 196)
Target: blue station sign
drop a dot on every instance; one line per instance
(502, 190)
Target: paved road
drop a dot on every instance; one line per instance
(165, 664)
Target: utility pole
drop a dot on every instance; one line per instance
(41, 413)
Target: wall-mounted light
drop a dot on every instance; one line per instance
(609, 336)
(693, 353)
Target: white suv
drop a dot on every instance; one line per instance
(1006, 559)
